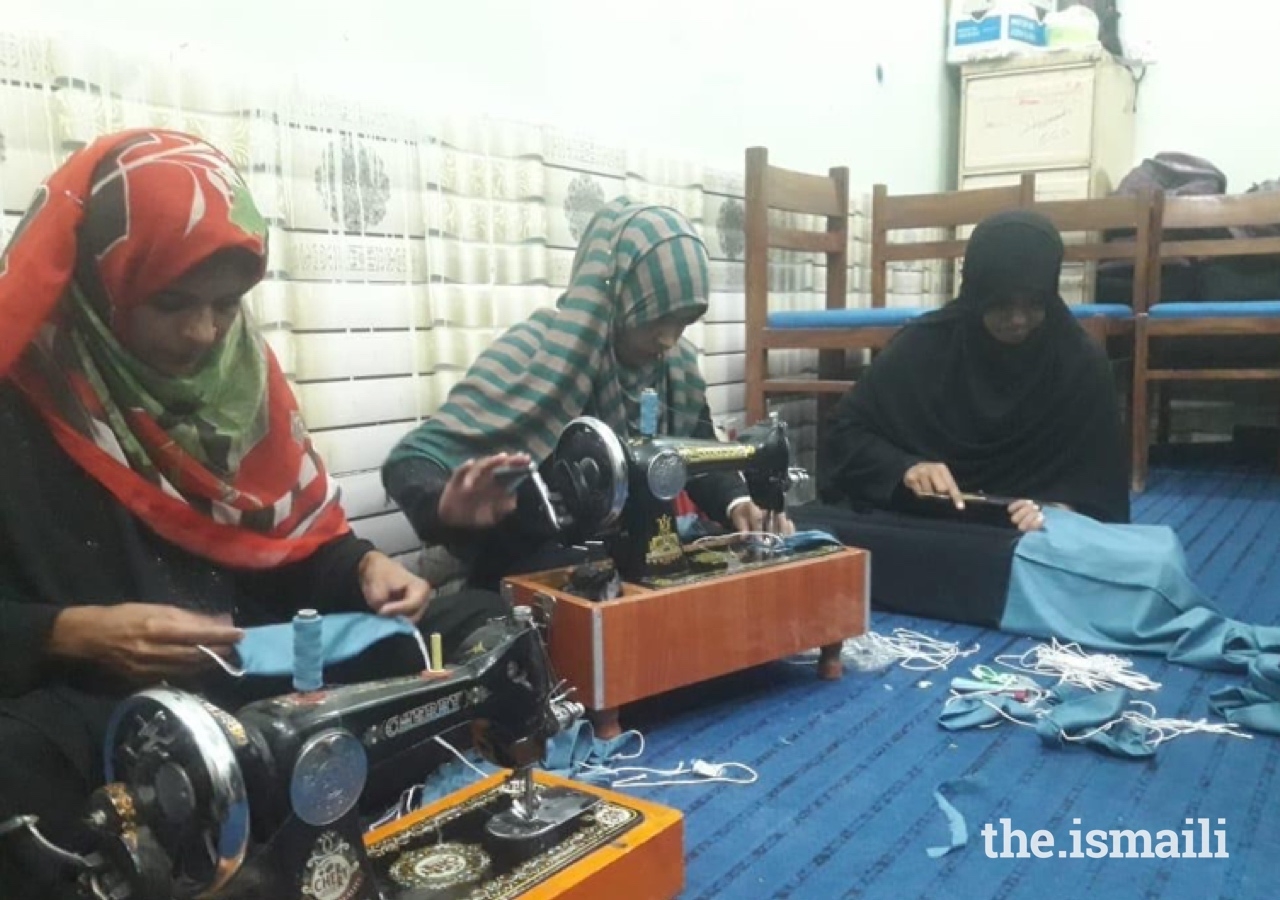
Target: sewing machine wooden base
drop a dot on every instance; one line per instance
(650, 641)
(639, 859)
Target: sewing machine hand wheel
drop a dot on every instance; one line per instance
(588, 477)
(180, 765)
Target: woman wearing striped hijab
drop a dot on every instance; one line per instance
(640, 277)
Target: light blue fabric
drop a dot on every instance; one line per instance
(1255, 705)
(885, 317)
(690, 527)
(1122, 588)
(1102, 311)
(1233, 309)
(957, 826)
(1076, 716)
(1068, 715)
(268, 649)
(978, 710)
(808, 540)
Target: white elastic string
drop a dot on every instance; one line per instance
(466, 762)
(422, 646)
(1071, 665)
(224, 664)
(699, 772)
(639, 737)
(1156, 730)
(717, 541)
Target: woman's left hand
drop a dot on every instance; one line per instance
(392, 590)
(746, 517)
(1026, 515)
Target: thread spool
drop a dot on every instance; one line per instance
(437, 652)
(648, 412)
(308, 651)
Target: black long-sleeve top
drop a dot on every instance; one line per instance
(66, 541)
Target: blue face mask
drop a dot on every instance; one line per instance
(1078, 715)
(268, 649)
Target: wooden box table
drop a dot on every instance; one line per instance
(649, 641)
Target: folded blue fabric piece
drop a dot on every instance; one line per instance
(268, 649)
(957, 826)
(1069, 715)
(808, 540)
(1122, 588)
(1076, 715)
(1255, 705)
(976, 710)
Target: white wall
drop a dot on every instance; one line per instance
(699, 78)
(1214, 89)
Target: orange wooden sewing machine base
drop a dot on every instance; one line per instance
(645, 862)
(649, 641)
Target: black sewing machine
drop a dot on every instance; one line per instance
(263, 803)
(595, 486)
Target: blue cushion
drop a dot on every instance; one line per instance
(1102, 310)
(845, 318)
(1232, 309)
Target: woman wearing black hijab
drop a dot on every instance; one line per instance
(1001, 393)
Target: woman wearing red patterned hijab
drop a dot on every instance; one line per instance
(157, 487)
(125, 281)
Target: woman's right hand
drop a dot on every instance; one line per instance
(474, 498)
(144, 642)
(930, 479)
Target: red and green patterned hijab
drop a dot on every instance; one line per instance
(219, 462)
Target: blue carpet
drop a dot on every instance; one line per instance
(844, 806)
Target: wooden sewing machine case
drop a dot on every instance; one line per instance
(649, 641)
(638, 853)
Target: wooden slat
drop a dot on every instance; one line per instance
(756, 277)
(1092, 215)
(1213, 374)
(799, 192)
(1220, 211)
(924, 250)
(805, 386)
(828, 338)
(1222, 247)
(1205, 327)
(947, 209)
(808, 241)
(1094, 252)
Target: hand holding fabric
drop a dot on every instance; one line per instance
(1026, 515)
(926, 479)
(474, 497)
(392, 590)
(144, 642)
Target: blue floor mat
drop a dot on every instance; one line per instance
(845, 802)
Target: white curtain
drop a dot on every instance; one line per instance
(402, 245)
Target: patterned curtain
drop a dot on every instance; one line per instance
(402, 245)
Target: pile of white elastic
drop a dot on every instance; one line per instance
(1071, 665)
(909, 649)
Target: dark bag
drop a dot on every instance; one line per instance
(1177, 175)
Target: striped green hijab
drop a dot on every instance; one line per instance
(636, 264)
